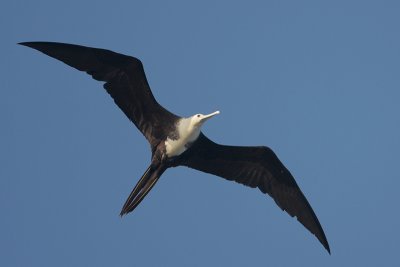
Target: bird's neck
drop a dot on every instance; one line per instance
(185, 134)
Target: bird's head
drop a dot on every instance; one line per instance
(197, 120)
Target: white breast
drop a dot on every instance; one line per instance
(187, 134)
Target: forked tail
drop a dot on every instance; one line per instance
(142, 188)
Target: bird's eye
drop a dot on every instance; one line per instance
(198, 115)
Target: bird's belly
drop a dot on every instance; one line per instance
(176, 147)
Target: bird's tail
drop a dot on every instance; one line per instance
(142, 188)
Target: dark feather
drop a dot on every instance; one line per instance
(125, 81)
(143, 187)
(255, 167)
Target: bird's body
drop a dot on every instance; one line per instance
(185, 134)
(177, 141)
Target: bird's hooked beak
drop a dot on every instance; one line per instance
(206, 117)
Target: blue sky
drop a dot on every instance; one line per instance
(317, 81)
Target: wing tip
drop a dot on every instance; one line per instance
(35, 45)
(29, 43)
(24, 43)
(328, 249)
(326, 246)
(323, 240)
(320, 235)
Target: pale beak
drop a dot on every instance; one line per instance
(206, 117)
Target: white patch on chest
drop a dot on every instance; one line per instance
(187, 134)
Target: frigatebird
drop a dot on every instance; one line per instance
(178, 141)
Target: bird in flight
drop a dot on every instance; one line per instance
(178, 141)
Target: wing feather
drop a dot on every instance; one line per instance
(255, 167)
(125, 81)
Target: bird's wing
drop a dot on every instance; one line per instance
(255, 167)
(124, 79)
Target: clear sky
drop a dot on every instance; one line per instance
(317, 81)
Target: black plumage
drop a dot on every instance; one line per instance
(126, 82)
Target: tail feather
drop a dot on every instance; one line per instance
(142, 188)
